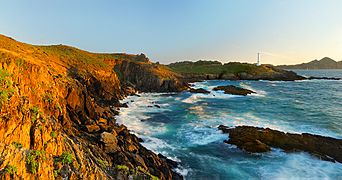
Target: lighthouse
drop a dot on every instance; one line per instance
(258, 60)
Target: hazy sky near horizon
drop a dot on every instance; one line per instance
(287, 32)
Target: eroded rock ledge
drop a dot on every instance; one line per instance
(258, 140)
(233, 90)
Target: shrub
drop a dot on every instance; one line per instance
(4, 97)
(56, 173)
(17, 145)
(103, 164)
(122, 168)
(53, 134)
(35, 111)
(139, 168)
(33, 160)
(65, 158)
(10, 169)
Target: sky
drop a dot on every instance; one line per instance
(284, 31)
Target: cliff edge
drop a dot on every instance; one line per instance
(57, 107)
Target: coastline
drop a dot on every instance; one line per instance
(153, 117)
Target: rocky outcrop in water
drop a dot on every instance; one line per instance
(199, 90)
(258, 140)
(230, 89)
(324, 78)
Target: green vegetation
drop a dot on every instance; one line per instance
(33, 160)
(58, 106)
(56, 173)
(135, 171)
(74, 54)
(10, 169)
(20, 62)
(4, 96)
(123, 168)
(53, 134)
(5, 87)
(214, 67)
(139, 168)
(4, 77)
(103, 164)
(17, 145)
(65, 158)
(35, 111)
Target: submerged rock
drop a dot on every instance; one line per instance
(200, 90)
(255, 139)
(230, 89)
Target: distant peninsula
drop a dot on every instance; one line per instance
(324, 63)
(213, 70)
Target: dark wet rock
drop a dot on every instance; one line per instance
(173, 164)
(157, 106)
(233, 90)
(124, 105)
(324, 78)
(200, 90)
(255, 139)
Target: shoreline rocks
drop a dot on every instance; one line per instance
(324, 78)
(258, 140)
(230, 89)
(200, 90)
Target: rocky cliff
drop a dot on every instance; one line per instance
(57, 113)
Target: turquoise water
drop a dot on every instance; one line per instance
(185, 127)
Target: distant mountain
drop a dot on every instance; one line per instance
(325, 63)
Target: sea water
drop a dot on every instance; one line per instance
(184, 128)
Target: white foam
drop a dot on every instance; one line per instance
(258, 92)
(155, 144)
(183, 171)
(132, 117)
(299, 166)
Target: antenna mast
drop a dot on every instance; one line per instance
(258, 60)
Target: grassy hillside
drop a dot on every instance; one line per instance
(216, 67)
(207, 70)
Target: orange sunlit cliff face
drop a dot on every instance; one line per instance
(57, 107)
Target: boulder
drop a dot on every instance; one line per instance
(92, 128)
(233, 90)
(110, 142)
(255, 139)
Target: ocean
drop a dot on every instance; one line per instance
(184, 128)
